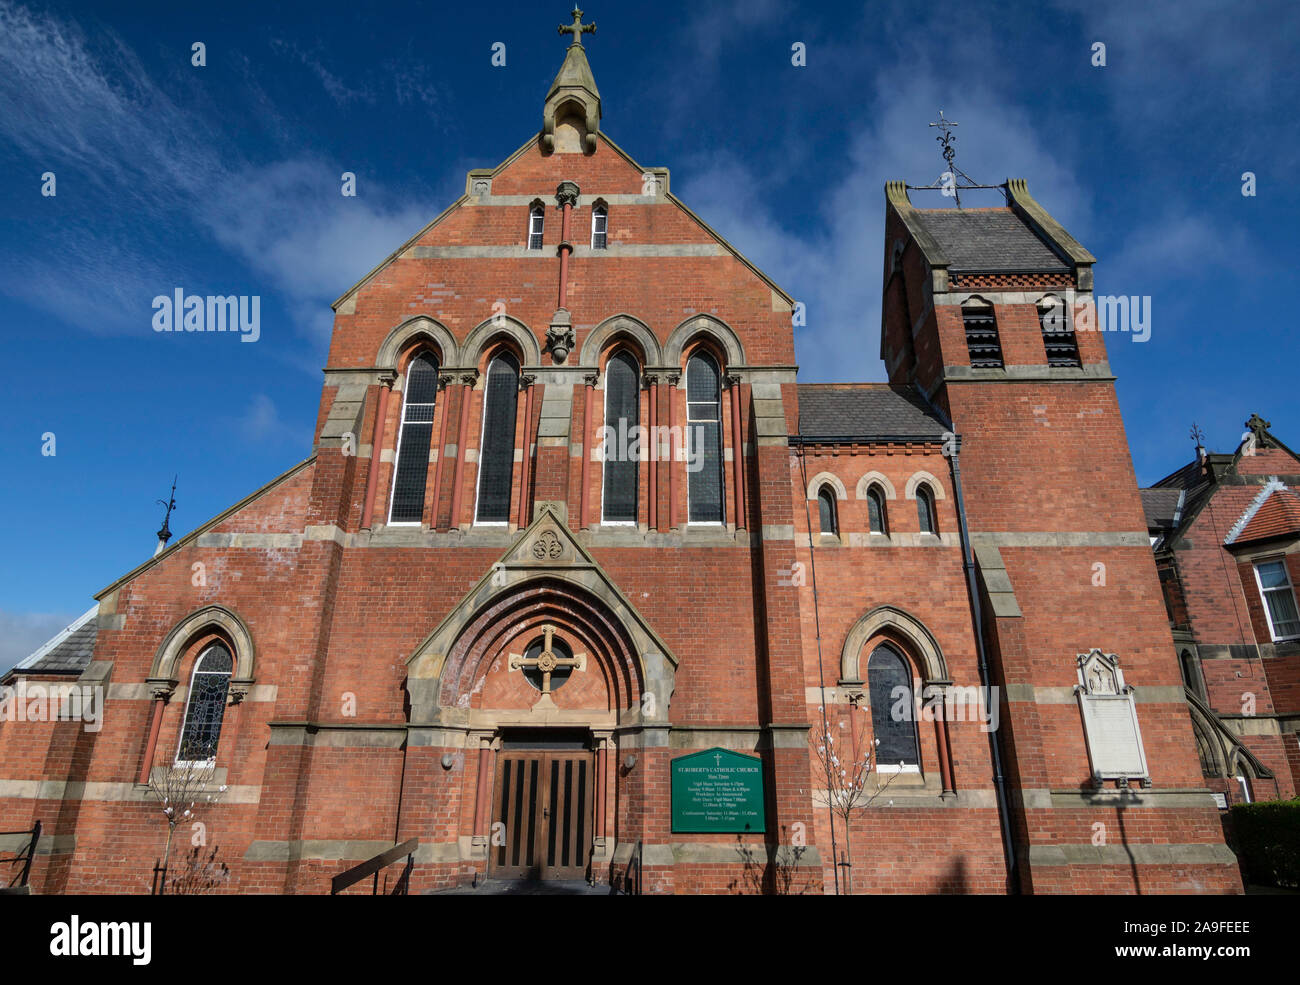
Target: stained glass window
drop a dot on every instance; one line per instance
(206, 705)
(892, 710)
(704, 487)
(925, 510)
(496, 462)
(826, 509)
(413, 439)
(622, 400)
(876, 511)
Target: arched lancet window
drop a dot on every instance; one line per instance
(925, 510)
(704, 486)
(536, 220)
(622, 406)
(826, 510)
(876, 519)
(599, 226)
(413, 438)
(1191, 680)
(206, 705)
(889, 680)
(496, 458)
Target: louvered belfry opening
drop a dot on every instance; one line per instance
(622, 414)
(497, 450)
(1058, 337)
(982, 337)
(704, 439)
(413, 440)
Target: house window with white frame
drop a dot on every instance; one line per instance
(1278, 596)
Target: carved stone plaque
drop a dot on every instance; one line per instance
(1110, 723)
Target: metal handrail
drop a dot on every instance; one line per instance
(372, 866)
(23, 857)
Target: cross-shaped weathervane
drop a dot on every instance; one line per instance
(577, 28)
(945, 139)
(546, 661)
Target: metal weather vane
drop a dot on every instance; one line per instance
(165, 533)
(951, 180)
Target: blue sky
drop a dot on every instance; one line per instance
(224, 179)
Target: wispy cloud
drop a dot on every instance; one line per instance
(163, 177)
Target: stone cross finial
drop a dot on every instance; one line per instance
(1257, 424)
(577, 28)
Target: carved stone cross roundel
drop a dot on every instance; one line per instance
(546, 662)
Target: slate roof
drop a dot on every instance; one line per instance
(865, 411)
(1161, 506)
(989, 241)
(69, 652)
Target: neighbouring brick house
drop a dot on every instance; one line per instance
(458, 622)
(1225, 529)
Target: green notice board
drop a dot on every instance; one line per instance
(717, 790)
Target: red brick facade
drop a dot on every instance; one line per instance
(1238, 511)
(374, 692)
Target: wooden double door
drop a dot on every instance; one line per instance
(542, 813)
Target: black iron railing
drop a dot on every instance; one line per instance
(21, 860)
(373, 866)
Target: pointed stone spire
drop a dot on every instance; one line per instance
(573, 102)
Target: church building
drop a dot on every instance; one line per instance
(580, 583)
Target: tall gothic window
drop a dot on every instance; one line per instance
(536, 220)
(496, 458)
(413, 438)
(599, 226)
(622, 405)
(826, 510)
(206, 705)
(876, 520)
(892, 711)
(704, 487)
(925, 510)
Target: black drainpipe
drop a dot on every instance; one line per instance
(968, 563)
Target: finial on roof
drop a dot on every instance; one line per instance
(573, 102)
(164, 532)
(948, 180)
(1258, 425)
(577, 28)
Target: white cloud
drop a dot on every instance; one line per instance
(162, 174)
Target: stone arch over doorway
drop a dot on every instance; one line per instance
(546, 578)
